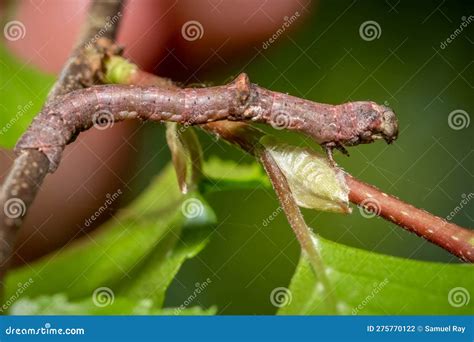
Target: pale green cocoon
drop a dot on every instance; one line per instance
(315, 184)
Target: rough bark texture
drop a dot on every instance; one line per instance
(23, 182)
(31, 166)
(84, 68)
(96, 41)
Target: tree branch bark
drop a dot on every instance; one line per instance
(82, 69)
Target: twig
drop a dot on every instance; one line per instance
(19, 190)
(95, 42)
(451, 237)
(31, 166)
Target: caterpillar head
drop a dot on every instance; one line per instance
(376, 122)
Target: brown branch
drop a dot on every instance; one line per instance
(18, 192)
(451, 237)
(82, 69)
(103, 21)
(456, 240)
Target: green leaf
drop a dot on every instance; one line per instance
(22, 93)
(59, 305)
(224, 175)
(366, 283)
(137, 253)
(155, 274)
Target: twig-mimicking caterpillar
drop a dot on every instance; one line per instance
(329, 125)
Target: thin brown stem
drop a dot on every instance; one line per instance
(307, 241)
(19, 190)
(96, 42)
(83, 68)
(103, 21)
(456, 240)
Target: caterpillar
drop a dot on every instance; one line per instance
(332, 126)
